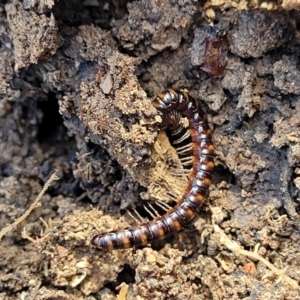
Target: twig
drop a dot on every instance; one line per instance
(35, 204)
(234, 247)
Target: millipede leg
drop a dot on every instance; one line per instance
(181, 172)
(172, 196)
(178, 130)
(186, 149)
(163, 205)
(140, 218)
(182, 138)
(156, 214)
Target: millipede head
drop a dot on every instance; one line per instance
(166, 101)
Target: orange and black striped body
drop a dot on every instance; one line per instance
(169, 104)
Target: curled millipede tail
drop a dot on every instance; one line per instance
(170, 105)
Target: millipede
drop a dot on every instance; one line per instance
(171, 106)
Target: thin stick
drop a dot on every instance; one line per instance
(35, 204)
(234, 247)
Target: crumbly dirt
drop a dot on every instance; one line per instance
(76, 83)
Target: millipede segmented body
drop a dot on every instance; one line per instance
(171, 106)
